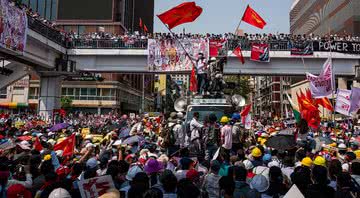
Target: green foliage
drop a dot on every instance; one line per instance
(242, 85)
(66, 102)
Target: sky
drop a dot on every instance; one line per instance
(221, 16)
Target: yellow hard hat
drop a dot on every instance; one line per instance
(307, 162)
(47, 157)
(224, 119)
(320, 161)
(333, 144)
(357, 153)
(256, 152)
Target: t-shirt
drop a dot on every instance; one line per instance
(226, 137)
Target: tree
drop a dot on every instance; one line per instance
(242, 86)
(66, 102)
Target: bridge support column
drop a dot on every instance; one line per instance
(50, 94)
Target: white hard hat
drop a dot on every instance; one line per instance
(342, 146)
(59, 193)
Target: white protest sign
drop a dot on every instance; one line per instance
(294, 192)
(95, 187)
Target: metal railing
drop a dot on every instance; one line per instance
(107, 44)
(46, 31)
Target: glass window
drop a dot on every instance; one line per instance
(77, 91)
(70, 91)
(92, 91)
(106, 92)
(98, 92)
(63, 91)
(33, 4)
(53, 15)
(32, 91)
(81, 29)
(41, 7)
(48, 9)
(83, 91)
(3, 93)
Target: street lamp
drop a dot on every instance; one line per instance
(357, 73)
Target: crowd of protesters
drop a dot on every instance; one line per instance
(163, 156)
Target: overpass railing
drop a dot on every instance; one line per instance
(46, 31)
(107, 44)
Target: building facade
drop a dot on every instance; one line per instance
(339, 17)
(269, 96)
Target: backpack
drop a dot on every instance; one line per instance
(168, 136)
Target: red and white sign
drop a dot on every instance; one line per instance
(321, 86)
(260, 52)
(343, 101)
(215, 46)
(95, 187)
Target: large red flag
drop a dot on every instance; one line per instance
(193, 81)
(37, 145)
(253, 18)
(237, 51)
(183, 13)
(66, 145)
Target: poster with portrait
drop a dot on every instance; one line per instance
(13, 27)
(168, 55)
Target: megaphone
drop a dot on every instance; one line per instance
(180, 104)
(238, 100)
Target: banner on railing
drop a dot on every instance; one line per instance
(337, 46)
(260, 52)
(167, 55)
(302, 48)
(217, 47)
(13, 27)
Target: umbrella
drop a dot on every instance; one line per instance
(58, 127)
(281, 142)
(132, 139)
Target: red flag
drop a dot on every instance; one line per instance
(183, 13)
(37, 145)
(140, 23)
(145, 28)
(245, 112)
(325, 102)
(237, 51)
(66, 145)
(193, 81)
(253, 18)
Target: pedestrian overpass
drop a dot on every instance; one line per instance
(48, 54)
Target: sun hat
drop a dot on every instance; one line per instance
(153, 166)
(132, 172)
(307, 162)
(259, 183)
(320, 161)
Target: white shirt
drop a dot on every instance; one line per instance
(200, 66)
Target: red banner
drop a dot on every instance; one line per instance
(217, 47)
(260, 52)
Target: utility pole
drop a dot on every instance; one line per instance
(143, 94)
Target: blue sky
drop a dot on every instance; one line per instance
(220, 16)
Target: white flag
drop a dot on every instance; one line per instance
(322, 85)
(248, 121)
(343, 102)
(355, 100)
